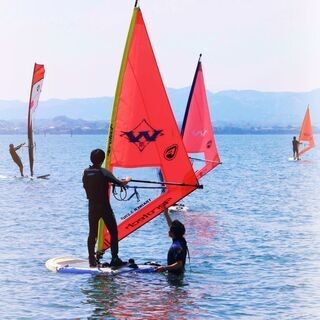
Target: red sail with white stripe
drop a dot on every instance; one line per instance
(36, 87)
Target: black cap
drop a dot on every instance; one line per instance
(97, 156)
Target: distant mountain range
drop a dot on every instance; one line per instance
(233, 108)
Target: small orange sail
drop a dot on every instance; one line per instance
(306, 134)
(143, 133)
(36, 86)
(197, 131)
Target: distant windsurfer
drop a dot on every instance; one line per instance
(295, 147)
(96, 183)
(15, 157)
(177, 253)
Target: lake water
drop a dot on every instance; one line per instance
(253, 234)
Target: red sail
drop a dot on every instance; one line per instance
(306, 133)
(143, 131)
(36, 86)
(197, 131)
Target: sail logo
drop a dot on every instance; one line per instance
(199, 133)
(209, 144)
(171, 152)
(142, 135)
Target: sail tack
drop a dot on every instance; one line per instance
(197, 131)
(306, 134)
(143, 132)
(36, 86)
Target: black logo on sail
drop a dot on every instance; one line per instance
(171, 152)
(142, 135)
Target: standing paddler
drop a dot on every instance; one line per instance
(15, 157)
(96, 182)
(295, 148)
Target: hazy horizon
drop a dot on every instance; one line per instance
(167, 89)
(270, 46)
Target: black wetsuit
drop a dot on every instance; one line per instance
(177, 252)
(295, 146)
(96, 183)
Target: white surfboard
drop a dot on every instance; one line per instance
(81, 266)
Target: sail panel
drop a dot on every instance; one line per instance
(197, 131)
(36, 87)
(306, 134)
(143, 132)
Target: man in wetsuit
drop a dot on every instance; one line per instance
(15, 157)
(96, 183)
(177, 253)
(295, 147)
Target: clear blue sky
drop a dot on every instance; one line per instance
(271, 45)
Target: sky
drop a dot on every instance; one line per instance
(265, 45)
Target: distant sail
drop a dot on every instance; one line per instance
(197, 131)
(143, 132)
(36, 86)
(306, 134)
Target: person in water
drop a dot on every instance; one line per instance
(177, 253)
(15, 157)
(295, 147)
(96, 184)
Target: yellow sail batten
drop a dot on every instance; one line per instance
(115, 111)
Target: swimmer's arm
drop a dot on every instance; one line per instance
(171, 267)
(166, 214)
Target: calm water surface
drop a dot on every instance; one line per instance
(253, 234)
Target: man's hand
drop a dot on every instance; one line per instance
(125, 181)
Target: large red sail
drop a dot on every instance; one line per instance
(306, 133)
(36, 86)
(197, 131)
(143, 131)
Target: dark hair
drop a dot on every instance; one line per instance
(294, 137)
(178, 229)
(97, 156)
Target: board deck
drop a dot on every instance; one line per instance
(292, 159)
(81, 266)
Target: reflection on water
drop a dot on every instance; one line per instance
(146, 296)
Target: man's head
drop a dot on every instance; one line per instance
(10, 145)
(294, 138)
(177, 229)
(97, 157)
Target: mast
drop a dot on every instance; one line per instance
(36, 85)
(30, 131)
